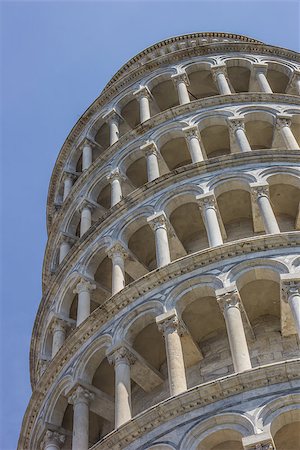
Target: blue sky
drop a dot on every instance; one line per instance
(55, 59)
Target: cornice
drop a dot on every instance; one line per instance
(139, 287)
(151, 188)
(171, 113)
(194, 398)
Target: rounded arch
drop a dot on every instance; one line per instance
(259, 125)
(169, 201)
(269, 415)
(57, 402)
(235, 422)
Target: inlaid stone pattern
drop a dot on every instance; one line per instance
(170, 312)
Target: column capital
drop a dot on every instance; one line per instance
(218, 69)
(158, 220)
(86, 204)
(84, 286)
(262, 441)
(67, 238)
(227, 298)
(259, 190)
(169, 322)
(150, 148)
(121, 354)
(259, 67)
(191, 132)
(290, 284)
(236, 123)
(294, 79)
(79, 394)
(180, 77)
(142, 91)
(57, 323)
(112, 115)
(68, 175)
(283, 120)
(117, 250)
(86, 143)
(115, 174)
(54, 438)
(206, 201)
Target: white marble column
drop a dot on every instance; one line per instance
(259, 71)
(65, 247)
(53, 440)
(290, 286)
(122, 359)
(283, 124)
(143, 97)
(68, 183)
(294, 83)
(86, 209)
(117, 254)
(87, 155)
(59, 330)
(113, 120)
(159, 224)
(237, 128)
(83, 289)
(81, 399)
(219, 74)
(208, 208)
(261, 196)
(169, 325)
(193, 141)
(181, 82)
(151, 154)
(230, 304)
(115, 179)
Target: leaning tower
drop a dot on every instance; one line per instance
(171, 280)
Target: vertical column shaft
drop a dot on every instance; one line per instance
(86, 217)
(81, 399)
(158, 223)
(220, 78)
(290, 287)
(207, 205)
(283, 124)
(58, 335)
(143, 97)
(87, 156)
(83, 289)
(237, 128)
(117, 254)
(181, 82)
(193, 141)
(261, 195)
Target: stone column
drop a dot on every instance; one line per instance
(219, 74)
(151, 153)
(260, 71)
(53, 440)
(260, 193)
(237, 128)
(87, 155)
(59, 330)
(83, 289)
(68, 183)
(294, 83)
(122, 360)
(143, 97)
(86, 209)
(159, 224)
(208, 208)
(181, 82)
(193, 141)
(261, 441)
(113, 120)
(81, 399)
(169, 325)
(230, 304)
(65, 247)
(115, 179)
(283, 124)
(290, 286)
(117, 254)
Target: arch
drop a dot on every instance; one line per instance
(259, 128)
(169, 201)
(214, 134)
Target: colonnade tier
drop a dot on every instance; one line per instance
(170, 316)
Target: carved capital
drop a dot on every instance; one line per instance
(67, 238)
(54, 438)
(142, 92)
(283, 120)
(206, 201)
(81, 395)
(169, 322)
(179, 78)
(121, 355)
(295, 78)
(228, 298)
(69, 175)
(259, 190)
(158, 220)
(58, 324)
(84, 286)
(86, 204)
(115, 175)
(112, 116)
(289, 286)
(236, 123)
(149, 148)
(191, 132)
(117, 251)
(218, 70)
(259, 68)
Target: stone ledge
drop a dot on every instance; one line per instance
(194, 398)
(171, 113)
(139, 287)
